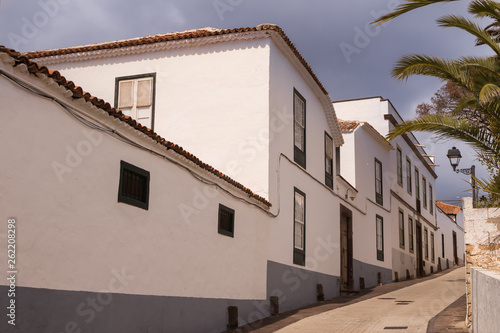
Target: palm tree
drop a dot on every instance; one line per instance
(478, 76)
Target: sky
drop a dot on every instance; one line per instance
(352, 58)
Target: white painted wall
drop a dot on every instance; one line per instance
(322, 205)
(373, 110)
(446, 227)
(73, 234)
(213, 100)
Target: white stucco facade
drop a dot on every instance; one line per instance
(400, 188)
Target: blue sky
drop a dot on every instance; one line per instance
(350, 57)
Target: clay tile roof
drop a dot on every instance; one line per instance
(347, 126)
(34, 68)
(188, 34)
(447, 208)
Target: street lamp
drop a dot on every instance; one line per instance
(454, 156)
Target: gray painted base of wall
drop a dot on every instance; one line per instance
(296, 287)
(370, 274)
(56, 311)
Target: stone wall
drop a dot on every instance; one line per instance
(482, 243)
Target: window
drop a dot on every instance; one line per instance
(399, 160)
(424, 192)
(431, 200)
(432, 247)
(442, 245)
(426, 243)
(401, 229)
(337, 159)
(226, 221)
(299, 117)
(134, 96)
(299, 257)
(328, 161)
(134, 186)
(380, 238)
(417, 184)
(410, 233)
(408, 175)
(378, 183)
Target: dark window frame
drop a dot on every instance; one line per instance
(431, 199)
(426, 243)
(337, 160)
(442, 245)
(299, 156)
(433, 248)
(399, 161)
(424, 192)
(379, 197)
(299, 255)
(328, 176)
(380, 253)
(222, 210)
(136, 77)
(401, 228)
(411, 242)
(122, 197)
(408, 176)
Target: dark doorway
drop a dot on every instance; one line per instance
(418, 252)
(455, 255)
(346, 264)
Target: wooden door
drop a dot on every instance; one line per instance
(420, 264)
(455, 254)
(346, 257)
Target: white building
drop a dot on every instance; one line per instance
(319, 218)
(410, 179)
(450, 241)
(102, 239)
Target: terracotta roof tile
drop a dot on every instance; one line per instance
(189, 34)
(78, 92)
(347, 126)
(447, 208)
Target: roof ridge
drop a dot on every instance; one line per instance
(78, 92)
(172, 36)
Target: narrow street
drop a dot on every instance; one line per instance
(405, 310)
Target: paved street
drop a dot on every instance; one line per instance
(405, 310)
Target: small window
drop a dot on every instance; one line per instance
(408, 175)
(299, 227)
(426, 243)
(431, 200)
(432, 247)
(380, 238)
(401, 229)
(328, 161)
(299, 117)
(399, 160)
(379, 198)
(424, 192)
(134, 186)
(410, 234)
(134, 96)
(337, 160)
(226, 221)
(442, 245)
(417, 184)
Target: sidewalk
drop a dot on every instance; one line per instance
(405, 306)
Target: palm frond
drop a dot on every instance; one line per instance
(414, 64)
(471, 27)
(485, 8)
(446, 127)
(488, 92)
(408, 6)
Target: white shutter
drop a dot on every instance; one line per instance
(125, 96)
(144, 95)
